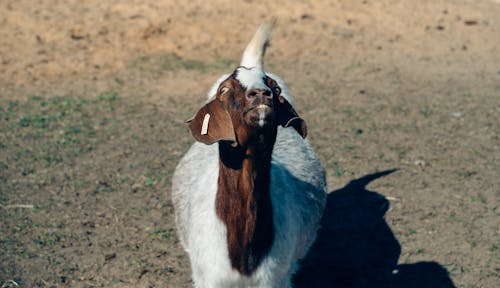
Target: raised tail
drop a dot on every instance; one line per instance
(253, 56)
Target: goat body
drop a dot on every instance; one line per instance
(248, 206)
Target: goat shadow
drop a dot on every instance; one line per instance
(356, 248)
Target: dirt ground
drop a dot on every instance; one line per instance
(402, 100)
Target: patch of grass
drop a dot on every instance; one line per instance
(4, 241)
(54, 153)
(337, 169)
(224, 63)
(49, 154)
(35, 121)
(457, 269)
(23, 226)
(493, 248)
(349, 147)
(426, 111)
(42, 132)
(27, 254)
(150, 181)
(348, 112)
(465, 173)
(108, 97)
(419, 251)
(27, 171)
(102, 186)
(146, 181)
(402, 110)
(162, 233)
(47, 239)
(12, 106)
(453, 217)
(52, 129)
(478, 198)
(473, 243)
(173, 62)
(35, 98)
(117, 281)
(409, 232)
(353, 65)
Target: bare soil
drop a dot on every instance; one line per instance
(402, 100)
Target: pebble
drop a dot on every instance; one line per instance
(420, 163)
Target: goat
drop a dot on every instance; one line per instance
(249, 195)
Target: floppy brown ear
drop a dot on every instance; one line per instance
(212, 123)
(288, 117)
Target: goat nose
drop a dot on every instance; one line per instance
(266, 93)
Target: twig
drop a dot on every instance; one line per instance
(10, 282)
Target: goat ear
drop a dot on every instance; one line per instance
(212, 123)
(288, 117)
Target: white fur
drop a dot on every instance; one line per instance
(252, 78)
(262, 116)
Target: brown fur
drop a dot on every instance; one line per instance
(243, 203)
(243, 200)
(220, 127)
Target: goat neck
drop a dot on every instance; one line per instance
(243, 201)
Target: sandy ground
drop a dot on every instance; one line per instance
(407, 85)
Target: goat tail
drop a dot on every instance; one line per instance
(253, 56)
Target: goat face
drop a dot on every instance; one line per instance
(247, 104)
(251, 96)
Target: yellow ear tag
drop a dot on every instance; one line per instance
(204, 126)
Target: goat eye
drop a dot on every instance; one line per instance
(277, 90)
(223, 90)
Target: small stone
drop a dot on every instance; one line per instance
(306, 16)
(470, 22)
(109, 257)
(420, 163)
(77, 33)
